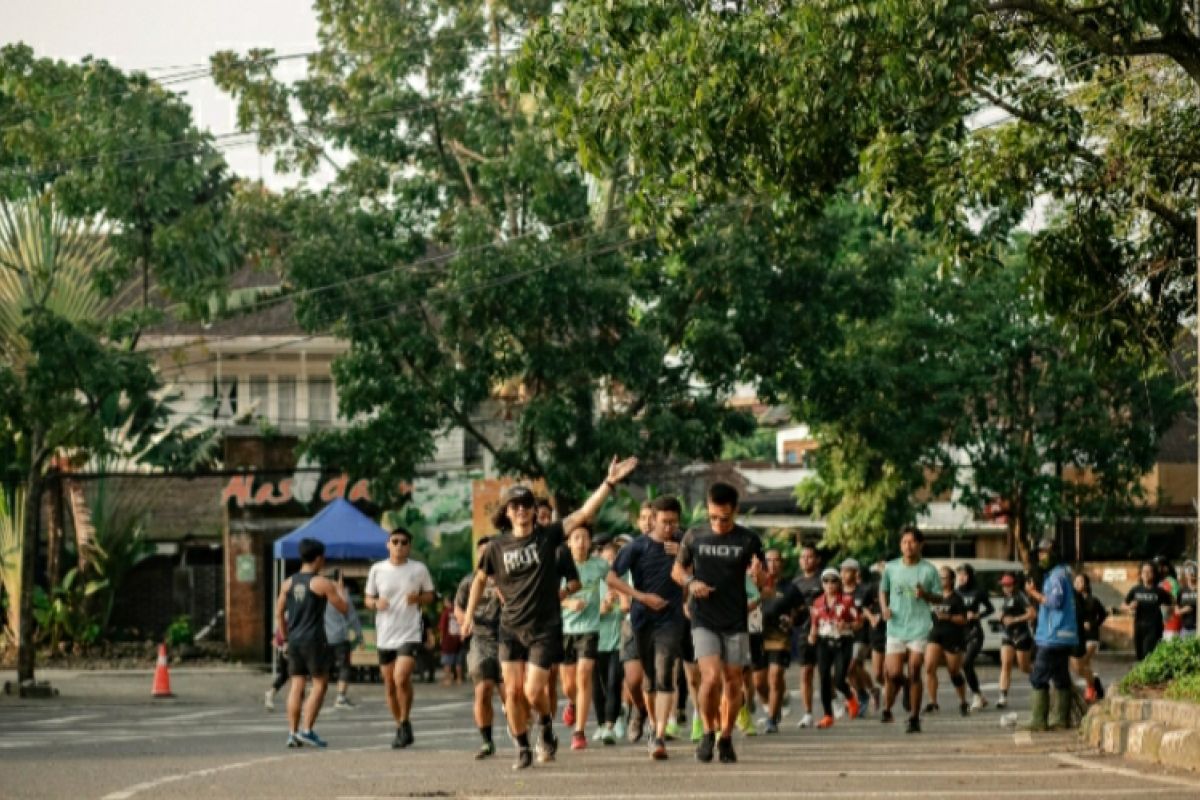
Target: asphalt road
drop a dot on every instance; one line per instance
(104, 738)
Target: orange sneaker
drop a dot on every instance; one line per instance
(1089, 694)
(852, 708)
(826, 722)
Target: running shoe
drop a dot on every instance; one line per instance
(1099, 687)
(524, 758)
(548, 746)
(620, 728)
(877, 698)
(343, 702)
(637, 725)
(1089, 694)
(704, 750)
(839, 708)
(486, 750)
(913, 725)
(672, 730)
(697, 729)
(294, 741)
(1003, 701)
(745, 723)
(681, 717)
(979, 703)
(964, 708)
(579, 741)
(805, 722)
(772, 726)
(406, 727)
(826, 722)
(569, 715)
(398, 741)
(932, 708)
(658, 750)
(608, 737)
(852, 707)
(725, 752)
(598, 734)
(310, 737)
(269, 701)
(886, 717)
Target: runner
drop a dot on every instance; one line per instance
(483, 662)
(781, 602)
(1146, 601)
(1016, 645)
(878, 637)
(979, 606)
(1187, 601)
(1092, 615)
(638, 708)
(1056, 638)
(396, 590)
(656, 615)
(908, 586)
(581, 632)
(300, 620)
(808, 584)
(343, 630)
(946, 642)
(712, 564)
(523, 561)
(758, 659)
(866, 603)
(831, 631)
(608, 677)
(545, 511)
(1172, 622)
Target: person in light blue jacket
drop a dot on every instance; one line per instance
(1056, 637)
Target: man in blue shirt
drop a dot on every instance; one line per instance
(1056, 637)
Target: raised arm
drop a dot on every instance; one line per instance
(617, 472)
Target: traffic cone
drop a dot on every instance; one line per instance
(162, 676)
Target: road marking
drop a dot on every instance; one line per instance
(138, 788)
(194, 715)
(1083, 763)
(15, 745)
(64, 720)
(851, 794)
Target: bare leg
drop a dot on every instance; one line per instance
(404, 688)
(515, 700)
(1007, 656)
(914, 681)
(732, 699)
(933, 659)
(483, 704)
(295, 700)
(583, 692)
(315, 699)
(388, 672)
(894, 665)
(777, 687)
(709, 696)
(806, 686)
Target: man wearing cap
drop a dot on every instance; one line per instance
(523, 560)
(1056, 637)
(781, 601)
(483, 658)
(908, 586)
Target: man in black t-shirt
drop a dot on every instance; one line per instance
(523, 561)
(711, 566)
(808, 584)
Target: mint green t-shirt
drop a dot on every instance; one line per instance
(911, 618)
(610, 628)
(592, 574)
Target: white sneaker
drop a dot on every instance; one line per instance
(269, 700)
(839, 709)
(805, 722)
(978, 703)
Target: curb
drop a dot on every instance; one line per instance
(1151, 731)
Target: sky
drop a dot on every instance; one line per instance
(163, 37)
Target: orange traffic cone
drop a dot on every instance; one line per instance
(162, 676)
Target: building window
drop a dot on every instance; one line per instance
(320, 401)
(226, 391)
(260, 396)
(286, 404)
(472, 450)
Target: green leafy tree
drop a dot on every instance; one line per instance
(962, 115)
(106, 142)
(480, 287)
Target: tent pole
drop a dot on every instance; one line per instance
(275, 581)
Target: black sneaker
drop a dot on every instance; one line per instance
(658, 750)
(904, 698)
(704, 750)
(886, 717)
(406, 729)
(725, 752)
(524, 758)
(398, 741)
(964, 708)
(932, 708)
(549, 740)
(486, 750)
(913, 725)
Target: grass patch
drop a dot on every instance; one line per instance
(1174, 666)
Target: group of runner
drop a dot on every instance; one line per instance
(630, 626)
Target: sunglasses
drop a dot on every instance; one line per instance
(522, 502)
(399, 542)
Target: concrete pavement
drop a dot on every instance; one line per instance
(104, 738)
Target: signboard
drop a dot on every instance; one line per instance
(246, 568)
(248, 491)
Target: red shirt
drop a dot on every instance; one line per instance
(827, 616)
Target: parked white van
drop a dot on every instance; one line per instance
(987, 574)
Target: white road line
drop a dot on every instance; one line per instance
(194, 715)
(16, 745)
(1083, 763)
(138, 788)
(64, 720)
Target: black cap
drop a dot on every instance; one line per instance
(518, 492)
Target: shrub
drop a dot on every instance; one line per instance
(1172, 660)
(1185, 688)
(180, 632)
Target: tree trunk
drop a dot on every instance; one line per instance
(54, 531)
(29, 545)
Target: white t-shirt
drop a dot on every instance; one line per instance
(400, 622)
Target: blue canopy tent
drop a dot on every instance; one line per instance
(347, 533)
